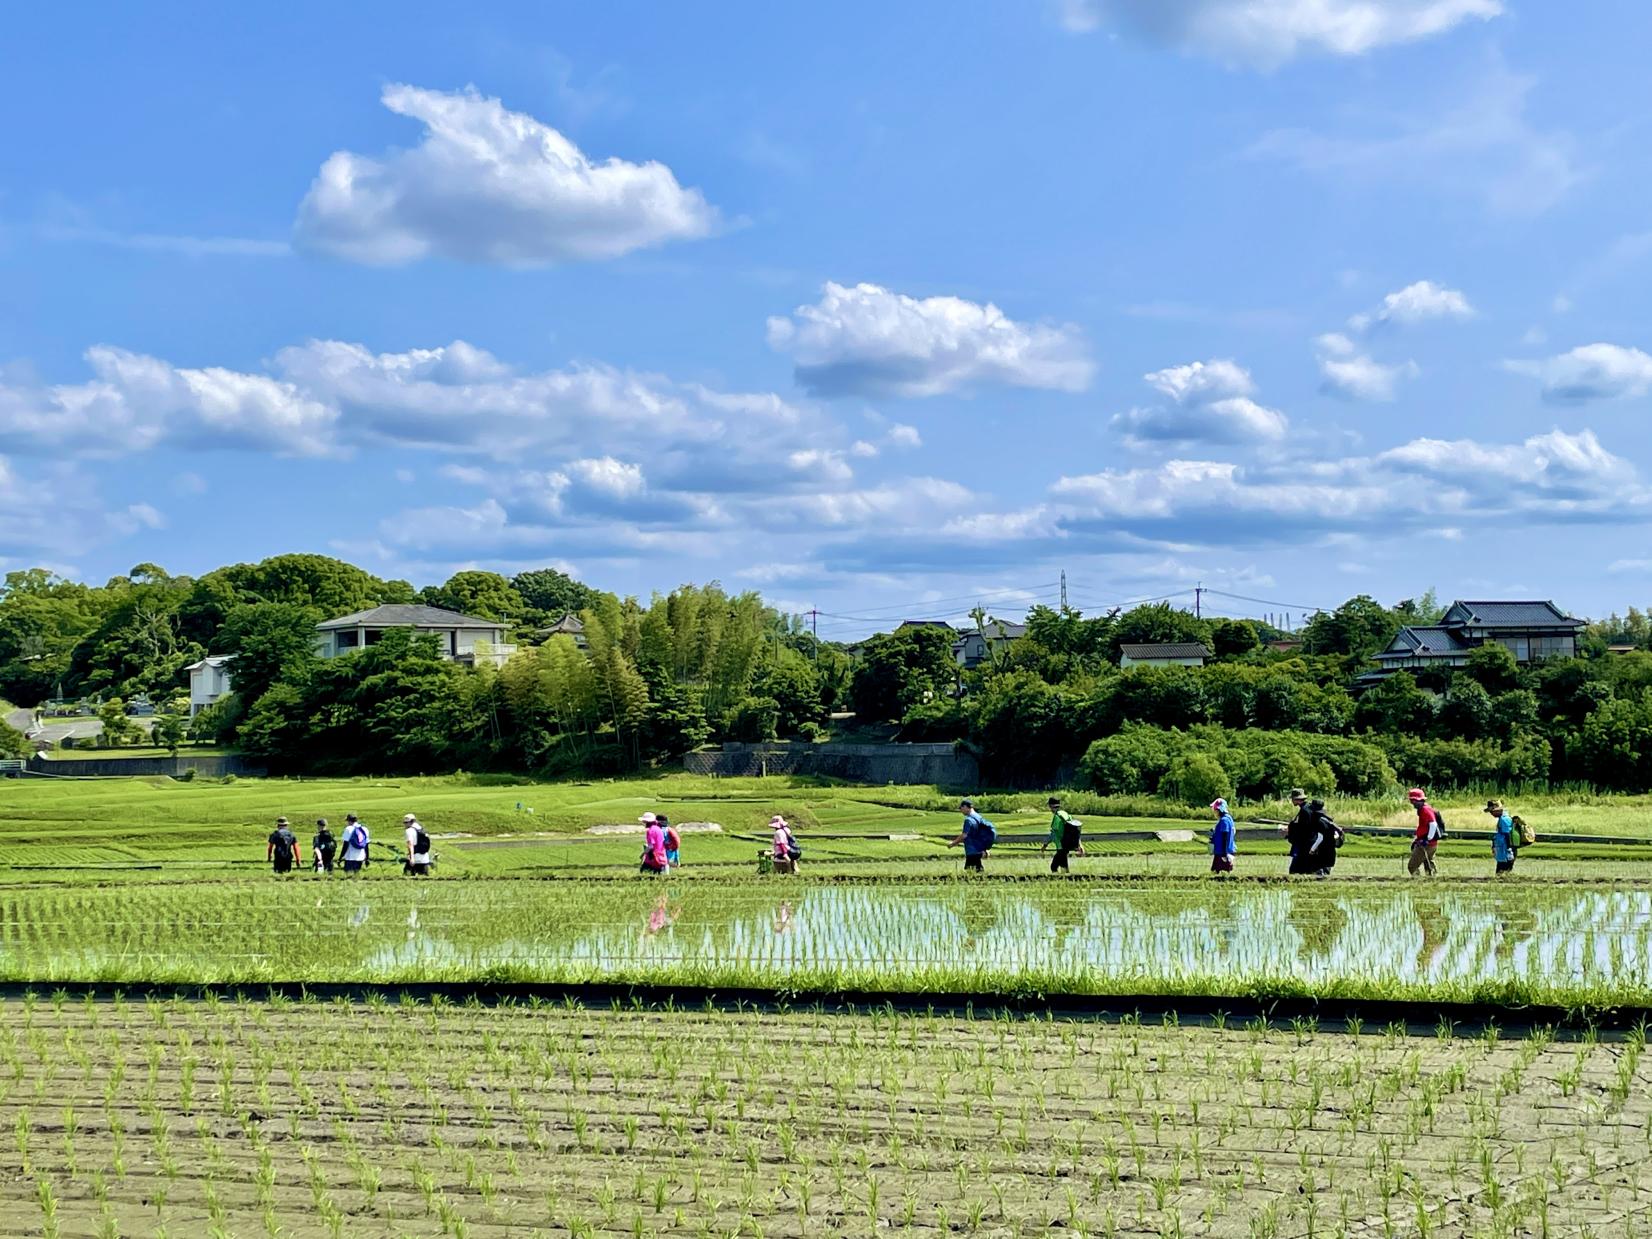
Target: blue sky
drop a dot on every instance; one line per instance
(878, 308)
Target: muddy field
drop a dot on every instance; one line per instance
(191, 1118)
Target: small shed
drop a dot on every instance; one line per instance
(1164, 654)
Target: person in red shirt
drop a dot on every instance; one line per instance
(1426, 841)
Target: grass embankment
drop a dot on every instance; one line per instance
(310, 1119)
(111, 827)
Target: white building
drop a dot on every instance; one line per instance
(208, 681)
(1164, 654)
(463, 638)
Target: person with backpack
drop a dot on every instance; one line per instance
(1505, 842)
(1224, 839)
(357, 842)
(784, 853)
(1425, 842)
(283, 851)
(653, 846)
(673, 842)
(323, 848)
(1328, 838)
(418, 847)
(977, 837)
(1301, 832)
(1066, 836)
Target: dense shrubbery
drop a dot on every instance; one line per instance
(1250, 763)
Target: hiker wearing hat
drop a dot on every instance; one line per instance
(283, 848)
(418, 847)
(1224, 839)
(1065, 836)
(977, 837)
(1504, 842)
(356, 842)
(1313, 836)
(784, 851)
(1426, 841)
(653, 846)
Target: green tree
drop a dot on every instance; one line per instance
(1232, 638)
(1494, 668)
(1466, 713)
(790, 681)
(486, 595)
(552, 593)
(1396, 705)
(1196, 779)
(169, 732)
(1357, 629)
(13, 743)
(900, 669)
(1156, 622)
(270, 641)
(118, 728)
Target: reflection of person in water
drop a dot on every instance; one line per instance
(1432, 918)
(783, 922)
(663, 916)
(980, 914)
(1318, 922)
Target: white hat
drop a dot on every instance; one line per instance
(408, 817)
(777, 820)
(649, 818)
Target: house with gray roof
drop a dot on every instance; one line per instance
(1163, 654)
(1531, 631)
(971, 648)
(462, 638)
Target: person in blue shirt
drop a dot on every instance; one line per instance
(1504, 844)
(1223, 839)
(977, 837)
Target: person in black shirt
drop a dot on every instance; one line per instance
(323, 848)
(283, 851)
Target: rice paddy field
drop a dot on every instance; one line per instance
(184, 1118)
(192, 1045)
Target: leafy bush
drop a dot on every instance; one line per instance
(753, 720)
(934, 722)
(1196, 778)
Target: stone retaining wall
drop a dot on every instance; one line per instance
(940, 764)
(206, 766)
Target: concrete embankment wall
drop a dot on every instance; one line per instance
(940, 764)
(206, 766)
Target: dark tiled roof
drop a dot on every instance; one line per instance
(1168, 649)
(926, 624)
(1425, 641)
(569, 623)
(1508, 615)
(405, 615)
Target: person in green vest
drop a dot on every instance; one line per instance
(1066, 836)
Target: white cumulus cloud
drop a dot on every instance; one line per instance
(488, 185)
(1206, 402)
(1415, 303)
(1267, 33)
(867, 340)
(1346, 371)
(1590, 372)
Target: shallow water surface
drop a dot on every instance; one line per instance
(1321, 933)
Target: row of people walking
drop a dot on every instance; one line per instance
(353, 853)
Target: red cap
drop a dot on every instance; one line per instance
(1415, 794)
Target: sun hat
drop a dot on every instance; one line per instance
(280, 821)
(1220, 804)
(1494, 806)
(648, 818)
(408, 817)
(777, 820)
(1416, 794)
(1298, 794)
(1054, 800)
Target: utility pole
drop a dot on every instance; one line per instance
(814, 627)
(1198, 598)
(1064, 589)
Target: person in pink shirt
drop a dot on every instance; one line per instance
(785, 856)
(653, 845)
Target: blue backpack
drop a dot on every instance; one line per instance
(986, 834)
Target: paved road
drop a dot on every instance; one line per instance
(55, 731)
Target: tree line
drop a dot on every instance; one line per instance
(649, 680)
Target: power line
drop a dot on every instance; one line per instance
(919, 606)
(1266, 602)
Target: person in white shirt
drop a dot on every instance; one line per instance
(355, 843)
(418, 846)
